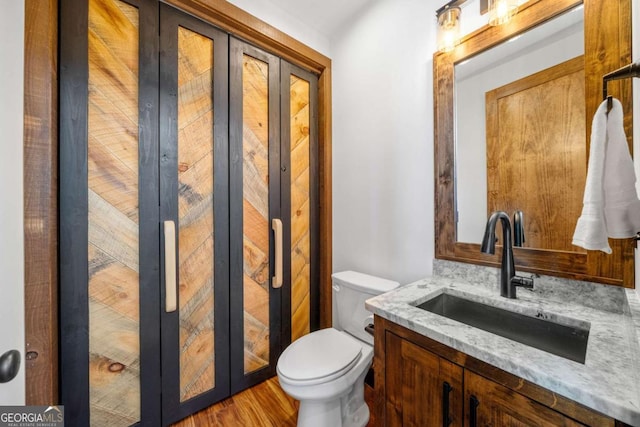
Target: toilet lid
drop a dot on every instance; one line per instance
(324, 353)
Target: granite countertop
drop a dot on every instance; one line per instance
(608, 381)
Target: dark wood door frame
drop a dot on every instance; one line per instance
(40, 200)
(41, 169)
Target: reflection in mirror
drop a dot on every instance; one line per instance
(607, 46)
(520, 133)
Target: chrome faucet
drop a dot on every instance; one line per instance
(508, 278)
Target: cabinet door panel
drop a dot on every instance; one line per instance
(499, 406)
(415, 380)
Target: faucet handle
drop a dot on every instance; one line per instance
(518, 228)
(525, 282)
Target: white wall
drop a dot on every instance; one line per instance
(383, 141)
(11, 210)
(285, 22)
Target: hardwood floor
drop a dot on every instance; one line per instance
(261, 406)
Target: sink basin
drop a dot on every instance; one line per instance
(565, 341)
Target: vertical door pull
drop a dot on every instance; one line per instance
(446, 390)
(473, 406)
(171, 298)
(276, 224)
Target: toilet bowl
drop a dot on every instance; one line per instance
(325, 370)
(321, 370)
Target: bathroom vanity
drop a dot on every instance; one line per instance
(435, 371)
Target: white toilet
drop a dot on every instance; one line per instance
(325, 370)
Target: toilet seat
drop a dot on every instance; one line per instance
(320, 356)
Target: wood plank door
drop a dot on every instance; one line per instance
(194, 202)
(168, 192)
(254, 137)
(273, 182)
(109, 213)
(299, 201)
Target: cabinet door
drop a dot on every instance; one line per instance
(194, 202)
(422, 389)
(490, 404)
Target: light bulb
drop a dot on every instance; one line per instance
(501, 11)
(448, 29)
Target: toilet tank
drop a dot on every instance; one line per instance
(350, 291)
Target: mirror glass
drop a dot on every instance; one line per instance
(520, 140)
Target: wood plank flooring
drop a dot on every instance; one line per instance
(263, 405)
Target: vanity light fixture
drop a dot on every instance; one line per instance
(448, 27)
(501, 11)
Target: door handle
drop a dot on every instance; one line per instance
(9, 365)
(446, 390)
(276, 224)
(170, 294)
(473, 416)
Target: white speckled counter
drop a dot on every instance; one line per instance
(608, 381)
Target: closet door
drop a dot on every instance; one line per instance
(299, 183)
(109, 244)
(254, 137)
(188, 212)
(194, 214)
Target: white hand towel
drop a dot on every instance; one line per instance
(611, 206)
(591, 231)
(621, 204)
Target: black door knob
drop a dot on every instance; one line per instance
(9, 365)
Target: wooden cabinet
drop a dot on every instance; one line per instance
(420, 382)
(422, 388)
(490, 404)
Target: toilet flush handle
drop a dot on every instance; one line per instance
(276, 224)
(370, 329)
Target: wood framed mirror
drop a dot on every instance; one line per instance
(607, 46)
